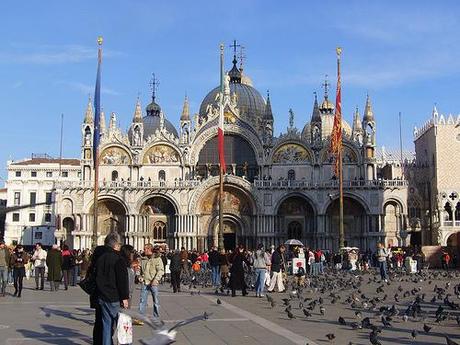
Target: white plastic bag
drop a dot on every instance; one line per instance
(124, 329)
(267, 279)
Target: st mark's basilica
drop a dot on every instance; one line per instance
(159, 183)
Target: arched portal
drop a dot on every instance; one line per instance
(237, 215)
(111, 217)
(296, 219)
(231, 231)
(453, 246)
(157, 219)
(354, 223)
(295, 230)
(239, 158)
(69, 225)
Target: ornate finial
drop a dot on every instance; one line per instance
(326, 86)
(368, 113)
(316, 96)
(137, 111)
(291, 118)
(185, 110)
(338, 50)
(268, 94)
(235, 47)
(89, 111)
(113, 121)
(100, 40)
(154, 83)
(235, 73)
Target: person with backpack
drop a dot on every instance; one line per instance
(261, 262)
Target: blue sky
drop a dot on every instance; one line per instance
(403, 53)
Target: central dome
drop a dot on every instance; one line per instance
(249, 101)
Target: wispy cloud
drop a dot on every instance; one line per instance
(50, 54)
(17, 84)
(87, 89)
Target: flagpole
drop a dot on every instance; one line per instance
(96, 145)
(341, 230)
(220, 236)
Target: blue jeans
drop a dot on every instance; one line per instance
(109, 312)
(383, 270)
(204, 266)
(215, 274)
(260, 280)
(156, 300)
(3, 277)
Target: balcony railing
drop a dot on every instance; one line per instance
(352, 184)
(129, 184)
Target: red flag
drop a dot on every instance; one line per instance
(336, 135)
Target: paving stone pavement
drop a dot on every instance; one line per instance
(43, 317)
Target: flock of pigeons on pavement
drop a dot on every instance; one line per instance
(420, 304)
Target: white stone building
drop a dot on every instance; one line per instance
(437, 144)
(32, 183)
(158, 184)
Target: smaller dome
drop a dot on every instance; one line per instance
(327, 124)
(327, 106)
(153, 109)
(152, 123)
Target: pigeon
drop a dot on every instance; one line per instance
(373, 339)
(342, 321)
(330, 336)
(322, 310)
(219, 301)
(290, 315)
(306, 313)
(385, 322)
(162, 335)
(355, 325)
(414, 334)
(426, 328)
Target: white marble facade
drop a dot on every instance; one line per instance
(160, 185)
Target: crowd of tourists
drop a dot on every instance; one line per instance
(114, 269)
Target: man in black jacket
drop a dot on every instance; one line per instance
(175, 268)
(112, 285)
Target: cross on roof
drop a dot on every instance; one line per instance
(154, 83)
(326, 85)
(235, 47)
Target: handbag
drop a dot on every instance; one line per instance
(124, 329)
(88, 284)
